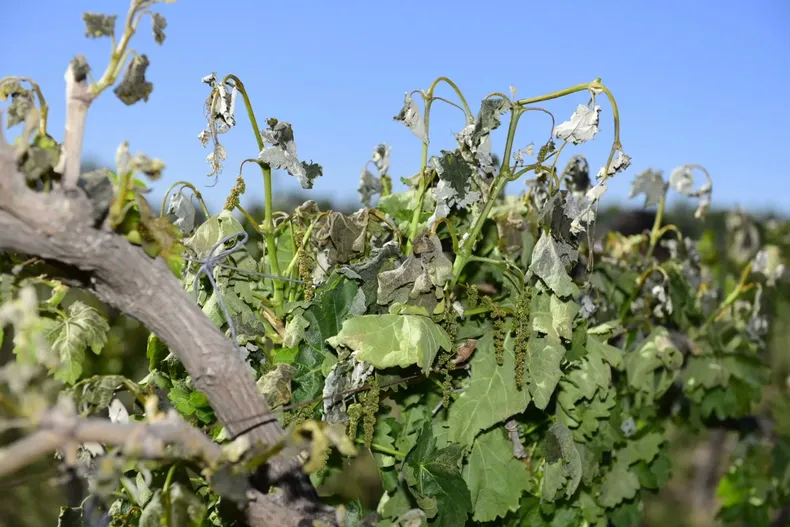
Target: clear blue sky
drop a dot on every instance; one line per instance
(696, 81)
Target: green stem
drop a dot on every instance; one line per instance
(250, 219)
(42, 103)
(450, 229)
(501, 180)
(423, 185)
(556, 94)
(626, 307)
(535, 426)
(169, 478)
(507, 268)
(741, 288)
(480, 310)
(376, 213)
(268, 223)
(190, 186)
(384, 449)
(655, 232)
(248, 105)
(302, 246)
(453, 395)
(594, 85)
(457, 91)
(119, 53)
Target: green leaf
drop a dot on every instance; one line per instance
(401, 205)
(179, 397)
(495, 478)
(71, 517)
(492, 395)
(83, 327)
(606, 351)
(154, 512)
(549, 261)
(435, 481)
(653, 366)
(156, 351)
(552, 316)
(393, 340)
(643, 449)
(185, 508)
(564, 464)
(182, 508)
(212, 231)
(95, 393)
(544, 369)
(324, 316)
(618, 484)
(412, 422)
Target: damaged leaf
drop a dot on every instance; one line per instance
(582, 126)
(393, 340)
(282, 154)
(133, 86)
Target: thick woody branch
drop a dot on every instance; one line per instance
(78, 100)
(62, 431)
(59, 431)
(58, 226)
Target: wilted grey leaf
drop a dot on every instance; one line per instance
(369, 186)
(682, 180)
(768, 262)
(366, 271)
(282, 154)
(79, 68)
(582, 126)
(410, 116)
(597, 192)
(182, 209)
(420, 279)
(215, 159)
(20, 108)
(518, 155)
(118, 412)
(37, 161)
(334, 385)
(159, 25)
(488, 117)
(99, 25)
(98, 187)
(341, 237)
(558, 213)
(133, 87)
(456, 187)
(343, 376)
(581, 214)
(475, 140)
(125, 162)
(621, 162)
(577, 174)
(220, 107)
(381, 157)
(651, 184)
(276, 385)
